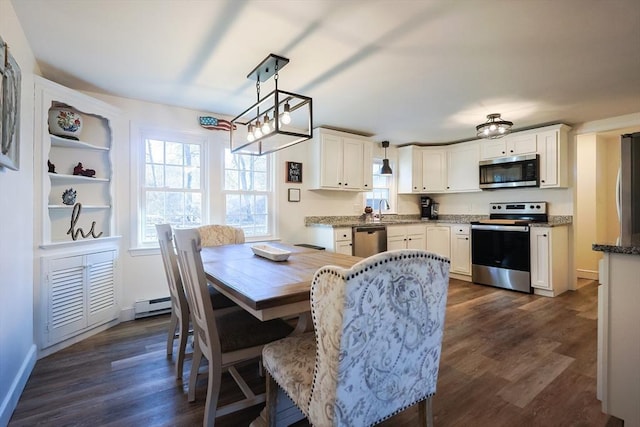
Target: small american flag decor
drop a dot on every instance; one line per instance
(212, 123)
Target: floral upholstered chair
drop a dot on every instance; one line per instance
(376, 346)
(218, 235)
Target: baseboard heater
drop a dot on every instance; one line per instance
(152, 307)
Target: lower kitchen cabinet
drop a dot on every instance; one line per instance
(406, 237)
(461, 249)
(549, 269)
(438, 240)
(334, 239)
(79, 294)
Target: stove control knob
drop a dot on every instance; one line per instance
(531, 207)
(537, 206)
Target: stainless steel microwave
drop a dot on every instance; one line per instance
(509, 172)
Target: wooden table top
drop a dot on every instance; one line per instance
(266, 288)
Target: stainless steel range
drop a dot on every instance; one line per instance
(500, 247)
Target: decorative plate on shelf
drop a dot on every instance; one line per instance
(65, 122)
(269, 252)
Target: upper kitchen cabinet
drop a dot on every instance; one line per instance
(516, 144)
(421, 169)
(462, 167)
(343, 161)
(452, 168)
(554, 152)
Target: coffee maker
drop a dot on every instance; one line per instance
(428, 208)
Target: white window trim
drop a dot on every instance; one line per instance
(138, 135)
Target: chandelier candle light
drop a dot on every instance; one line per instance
(494, 127)
(279, 120)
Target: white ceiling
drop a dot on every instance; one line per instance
(405, 71)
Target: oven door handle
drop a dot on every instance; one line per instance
(517, 228)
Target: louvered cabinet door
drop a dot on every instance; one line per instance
(66, 314)
(101, 287)
(81, 294)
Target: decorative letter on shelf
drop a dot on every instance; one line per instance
(75, 215)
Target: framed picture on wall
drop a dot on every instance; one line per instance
(294, 172)
(10, 112)
(294, 195)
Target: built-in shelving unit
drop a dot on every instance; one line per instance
(78, 246)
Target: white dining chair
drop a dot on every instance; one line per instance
(180, 320)
(224, 340)
(376, 346)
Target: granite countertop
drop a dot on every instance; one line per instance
(357, 221)
(616, 249)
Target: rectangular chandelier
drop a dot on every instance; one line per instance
(276, 121)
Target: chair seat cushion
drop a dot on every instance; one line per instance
(239, 329)
(290, 362)
(218, 300)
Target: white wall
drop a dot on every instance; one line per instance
(17, 345)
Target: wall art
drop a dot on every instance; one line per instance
(10, 109)
(294, 172)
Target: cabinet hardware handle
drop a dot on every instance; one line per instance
(542, 180)
(339, 183)
(466, 238)
(544, 235)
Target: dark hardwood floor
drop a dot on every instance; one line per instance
(508, 359)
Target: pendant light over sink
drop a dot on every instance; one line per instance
(385, 169)
(494, 127)
(277, 120)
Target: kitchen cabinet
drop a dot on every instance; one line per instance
(333, 239)
(549, 270)
(343, 161)
(461, 249)
(80, 293)
(406, 237)
(421, 170)
(438, 240)
(553, 150)
(462, 167)
(515, 144)
(618, 376)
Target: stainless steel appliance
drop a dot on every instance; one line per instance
(428, 208)
(500, 246)
(369, 240)
(509, 172)
(628, 191)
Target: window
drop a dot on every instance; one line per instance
(248, 193)
(172, 185)
(381, 188)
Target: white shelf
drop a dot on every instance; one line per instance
(58, 141)
(76, 243)
(83, 206)
(65, 177)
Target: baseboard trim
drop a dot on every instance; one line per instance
(17, 386)
(587, 274)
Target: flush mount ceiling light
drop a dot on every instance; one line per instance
(494, 127)
(279, 120)
(385, 169)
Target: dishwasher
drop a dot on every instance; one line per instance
(369, 240)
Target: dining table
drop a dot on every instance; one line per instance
(268, 289)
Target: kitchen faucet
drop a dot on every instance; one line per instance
(380, 207)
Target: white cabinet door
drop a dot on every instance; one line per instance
(406, 237)
(409, 173)
(438, 240)
(80, 293)
(540, 257)
(493, 148)
(462, 167)
(367, 166)
(460, 249)
(549, 159)
(331, 158)
(352, 163)
(521, 143)
(416, 237)
(345, 248)
(434, 171)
